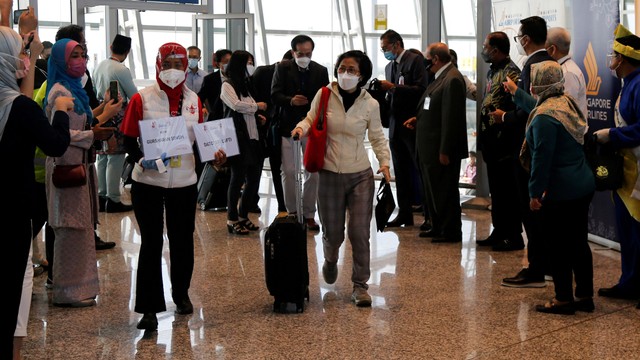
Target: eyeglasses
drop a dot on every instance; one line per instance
(386, 48)
(350, 71)
(518, 37)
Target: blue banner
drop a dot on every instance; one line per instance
(592, 39)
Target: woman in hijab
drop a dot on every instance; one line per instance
(171, 190)
(23, 126)
(73, 211)
(561, 187)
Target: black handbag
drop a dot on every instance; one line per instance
(385, 206)
(605, 162)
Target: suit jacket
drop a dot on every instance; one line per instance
(209, 95)
(404, 98)
(442, 129)
(515, 121)
(288, 82)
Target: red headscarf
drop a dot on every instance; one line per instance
(165, 51)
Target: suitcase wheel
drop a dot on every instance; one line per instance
(300, 307)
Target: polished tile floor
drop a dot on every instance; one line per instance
(430, 301)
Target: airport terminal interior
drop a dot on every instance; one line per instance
(429, 300)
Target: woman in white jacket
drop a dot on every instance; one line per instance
(346, 183)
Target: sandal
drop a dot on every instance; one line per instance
(237, 228)
(556, 307)
(247, 224)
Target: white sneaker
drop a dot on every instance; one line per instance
(361, 297)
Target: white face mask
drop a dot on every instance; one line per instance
(193, 63)
(520, 48)
(172, 77)
(303, 62)
(348, 82)
(250, 69)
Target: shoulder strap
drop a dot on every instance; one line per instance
(322, 108)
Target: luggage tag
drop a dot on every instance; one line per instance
(427, 102)
(175, 161)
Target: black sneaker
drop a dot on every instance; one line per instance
(103, 245)
(524, 280)
(102, 202)
(116, 207)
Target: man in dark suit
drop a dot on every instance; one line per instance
(406, 81)
(499, 151)
(261, 80)
(530, 41)
(441, 136)
(209, 93)
(294, 85)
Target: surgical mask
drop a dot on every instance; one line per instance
(389, 55)
(224, 67)
(347, 81)
(76, 67)
(614, 71)
(193, 63)
(486, 57)
(172, 77)
(520, 49)
(250, 69)
(22, 73)
(303, 61)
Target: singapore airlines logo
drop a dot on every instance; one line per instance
(591, 65)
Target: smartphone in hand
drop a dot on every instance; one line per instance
(17, 14)
(113, 90)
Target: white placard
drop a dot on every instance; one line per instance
(167, 135)
(214, 135)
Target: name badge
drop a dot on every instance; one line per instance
(427, 102)
(176, 161)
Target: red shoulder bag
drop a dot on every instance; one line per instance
(317, 142)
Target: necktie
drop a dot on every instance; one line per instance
(394, 70)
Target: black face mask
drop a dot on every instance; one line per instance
(428, 63)
(486, 57)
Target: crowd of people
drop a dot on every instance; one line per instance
(531, 135)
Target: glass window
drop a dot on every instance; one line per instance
(459, 17)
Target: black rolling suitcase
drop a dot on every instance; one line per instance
(212, 188)
(285, 254)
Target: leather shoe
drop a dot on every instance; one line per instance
(491, 240)
(400, 221)
(446, 239)
(553, 307)
(428, 234)
(116, 206)
(77, 304)
(103, 245)
(584, 305)
(149, 321)
(508, 245)
(616, 293)
(184, 307)
(425, 226)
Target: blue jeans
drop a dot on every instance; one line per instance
(109, 168)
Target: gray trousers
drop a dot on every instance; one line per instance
(340, 195)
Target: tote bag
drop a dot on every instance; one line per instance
(317, 142)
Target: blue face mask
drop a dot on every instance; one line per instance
(389, 55)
